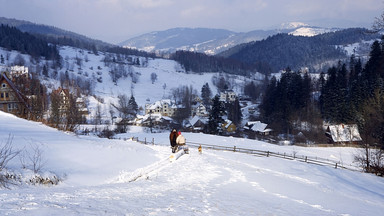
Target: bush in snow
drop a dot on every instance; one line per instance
(7, 153)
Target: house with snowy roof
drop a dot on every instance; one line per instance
(343, 134)
(164, 107)
(259, 127)
(199, 110)
(228, 126)
(11, 99)
(197, 123)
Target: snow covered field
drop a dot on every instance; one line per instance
(116, 177)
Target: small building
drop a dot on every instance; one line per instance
(163, 107)
(63, 100)
(258, 127)
(199, 110)
(11, 99)
(228, 126)
(197, 123)
(18, 70)
(228, 96)
(343, 134)
(82, 107)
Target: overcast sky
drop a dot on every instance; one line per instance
(117, 20)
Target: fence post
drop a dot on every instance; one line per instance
(145, 140)
(267, 153)
(336, 166)
(234, 148)
(153, 141)
(305, 158)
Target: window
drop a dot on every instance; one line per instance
(3, 85)
(2, 95)
(6, 95)
(12, 106)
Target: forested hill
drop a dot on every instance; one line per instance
(43, 34)
(13, 39)
(283, 50)
(56, 35)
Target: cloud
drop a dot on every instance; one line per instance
(145, 4)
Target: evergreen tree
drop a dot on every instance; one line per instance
(206, 94)
(216, 116)
(73, 117)
(234, 112)
(1, 59)
(45, 71)
(133, 105)
(251, 90)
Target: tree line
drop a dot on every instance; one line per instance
(347, 94)
(13, 39)
(200, 63)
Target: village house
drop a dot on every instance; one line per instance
(163, 107)
(63, 100)
(197, 123)
(343, 134)
(82, 107)
(228, 126)
(199, 110)
(258, 127)
(11, 99)
(15, 71)
(228, 96)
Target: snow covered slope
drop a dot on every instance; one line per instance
(83, 65)
(112, 177)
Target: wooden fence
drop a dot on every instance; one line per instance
(293, 156)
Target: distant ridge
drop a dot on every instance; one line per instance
(53, 33)
(211, 41)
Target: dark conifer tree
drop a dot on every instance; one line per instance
(216, 116)
(234, 112)
(206, 94)
(133, 105)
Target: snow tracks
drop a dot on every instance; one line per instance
(150, 170)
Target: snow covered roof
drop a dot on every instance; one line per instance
(228, 123)
(344, 133)
(195, 119)
(258, 126)
(160, 103)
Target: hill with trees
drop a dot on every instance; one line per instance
(284, 50)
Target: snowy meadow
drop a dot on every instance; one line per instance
(117, 177)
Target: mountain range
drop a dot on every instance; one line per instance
(212, 41)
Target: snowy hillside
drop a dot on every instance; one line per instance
(79, 64)
(116, 177)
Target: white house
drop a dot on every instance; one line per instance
(164, 107)
(17, 71)
(228, 96)
(343, 133)
(199, 110)
(258, 127)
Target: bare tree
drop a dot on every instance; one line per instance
(378, 23)
(125, 110)
(7, 153)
